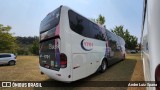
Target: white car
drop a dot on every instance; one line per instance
(7, 58)
(133, 51)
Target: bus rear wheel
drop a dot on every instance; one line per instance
(103, 66)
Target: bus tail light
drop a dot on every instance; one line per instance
(63, 60)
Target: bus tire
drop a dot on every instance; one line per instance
(103, 66)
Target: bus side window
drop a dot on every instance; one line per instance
(79, 24)
(84, 27)
(73, 22)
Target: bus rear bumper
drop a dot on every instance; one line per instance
(56, 75)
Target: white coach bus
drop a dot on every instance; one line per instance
(150, 41)
(72, 47)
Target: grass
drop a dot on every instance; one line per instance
(27, 69)
(136, 56)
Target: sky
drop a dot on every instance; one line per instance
(24, 16)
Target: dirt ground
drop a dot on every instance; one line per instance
(138, 75)
(27, 69)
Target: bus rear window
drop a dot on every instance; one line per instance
(50, 21)
(47, 34)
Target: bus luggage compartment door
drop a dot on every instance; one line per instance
(79, 67)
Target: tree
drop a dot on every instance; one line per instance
(119, 30)
(138, 47)
(25, 44)
(7, 40)
(100, 19)
(35, 47)
(131, 41)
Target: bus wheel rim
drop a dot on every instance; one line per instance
(104, 65)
